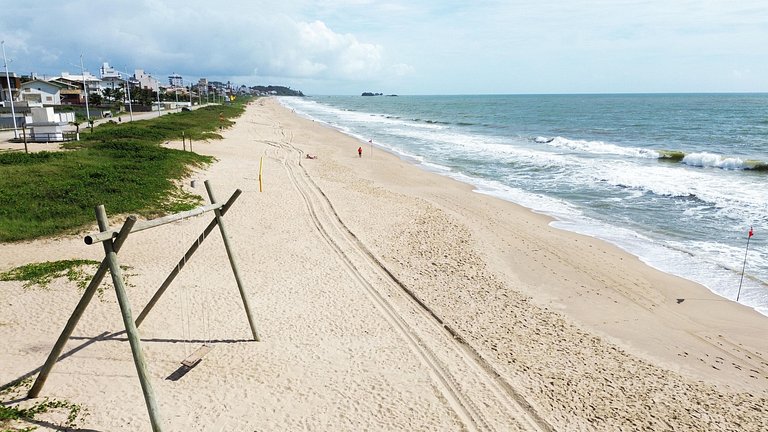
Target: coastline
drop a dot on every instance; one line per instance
(589, 336)
(603, 186)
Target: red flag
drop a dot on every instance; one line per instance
(750, 232)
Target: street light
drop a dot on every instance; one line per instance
(128, 89)
(85, 89)
(10, 92)
(158, 94)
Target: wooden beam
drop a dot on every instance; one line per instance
(141, 226)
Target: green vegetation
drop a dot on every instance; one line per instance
(120, 165)
(12, 415)
(42, 274)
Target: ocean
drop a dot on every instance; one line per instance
(675, 179)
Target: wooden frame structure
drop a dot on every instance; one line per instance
(112, 241)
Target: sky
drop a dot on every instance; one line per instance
(339, 47)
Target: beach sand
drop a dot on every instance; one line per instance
(386, 298)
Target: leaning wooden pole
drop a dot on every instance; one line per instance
(183, 261)
(78, 312)
(172, 275)
(225, 238)
(130, 327)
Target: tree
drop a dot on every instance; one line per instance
(96, 98)
(144, 97)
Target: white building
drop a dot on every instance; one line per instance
(93, 84)
(146, 80)
(110, 76)
(48, 126)
(42, 92)
(175, 80)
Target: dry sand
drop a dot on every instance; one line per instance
(387, 298)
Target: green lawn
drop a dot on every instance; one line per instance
(120, 165)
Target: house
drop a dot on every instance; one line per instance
(146, 81)
(43, 92)
(74, 94)
(5, 94)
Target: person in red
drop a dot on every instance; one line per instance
(360, 152)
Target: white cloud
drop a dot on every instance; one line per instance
(441, 46)
(191, 38)
(319, 51)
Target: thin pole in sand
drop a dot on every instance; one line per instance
(232, 263)
(749, 236)
(261, 165)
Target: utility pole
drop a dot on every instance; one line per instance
(85, 89)
(157, 86)
(10, 91)
(128, 89)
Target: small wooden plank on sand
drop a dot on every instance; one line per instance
(196, 356)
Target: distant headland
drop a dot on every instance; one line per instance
(277, 90)
(375, 94)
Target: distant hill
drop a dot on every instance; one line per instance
(277, 90)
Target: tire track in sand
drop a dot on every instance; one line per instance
(479, 396)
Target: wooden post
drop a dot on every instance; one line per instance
(182, 262)
(261, 165)
(58, 347)
(24, 134)
(232, 262)
(183, 141)
(130, 328)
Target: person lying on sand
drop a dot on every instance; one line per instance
(309, 156)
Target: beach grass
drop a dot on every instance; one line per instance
(12, 413)
(120, 165)
(41, 274)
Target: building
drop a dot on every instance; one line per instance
(146, 81)
(43, 92)
(175, 80)
(48, 126)
(110, 77)
(5, 94)
(74, 88)
(202, 86)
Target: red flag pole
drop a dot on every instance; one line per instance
(749, 236)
